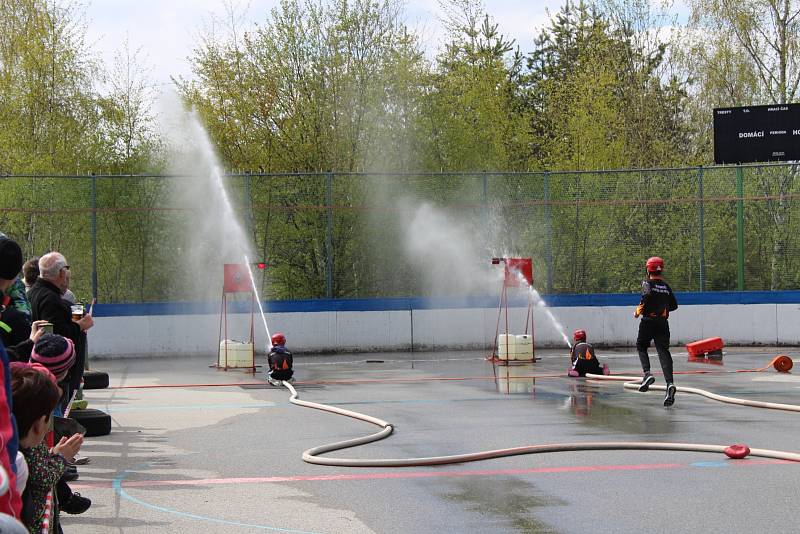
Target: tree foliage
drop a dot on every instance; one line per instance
(335, 87)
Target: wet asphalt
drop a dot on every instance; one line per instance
(227, 458)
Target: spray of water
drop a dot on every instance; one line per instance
(213, 234)
(258, 300)
(460, 265)
(540, 303)
(444, 251)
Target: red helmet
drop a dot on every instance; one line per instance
(278, 338)
(579, 335)
(655, 265)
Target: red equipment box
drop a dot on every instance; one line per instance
(711, 345)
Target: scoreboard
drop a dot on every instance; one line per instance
(757, 133)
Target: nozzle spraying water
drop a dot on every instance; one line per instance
(258, 300)
(537, 298)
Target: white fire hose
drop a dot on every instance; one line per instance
(633, 382)
(313, 455)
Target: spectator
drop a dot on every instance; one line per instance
(15, 311)
(57, 354)
(30, 272)
(21, 352)
(35, 396)
(15, 326)
(10, 265)
(47, 304)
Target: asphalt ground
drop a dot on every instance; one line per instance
(195, 449)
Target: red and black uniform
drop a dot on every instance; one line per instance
(584, 360)
(654, 307)
(280, 363)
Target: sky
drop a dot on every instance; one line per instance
(166, 31)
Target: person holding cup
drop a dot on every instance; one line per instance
(47, 303)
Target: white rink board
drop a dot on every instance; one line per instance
(437, 329)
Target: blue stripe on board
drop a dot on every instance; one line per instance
(435, 303)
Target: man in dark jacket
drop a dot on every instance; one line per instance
(654, 307)
(47, 304)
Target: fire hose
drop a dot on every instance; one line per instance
(313, 455)
(633, 382)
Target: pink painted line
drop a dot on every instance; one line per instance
(380, 476)
(388, 475)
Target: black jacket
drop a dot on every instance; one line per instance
(582, 351)
(47, 305)
(280, 363)
(657, 299)
(20, 352)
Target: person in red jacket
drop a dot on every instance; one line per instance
(654, 307)
(10, 502)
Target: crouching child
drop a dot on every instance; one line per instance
(582, 357)
(280, 361)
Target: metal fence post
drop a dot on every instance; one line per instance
(329, 236)
(701, 215)
(548, 216)
(484, 210)
(248, 198)
(94, 236)
(740, 227)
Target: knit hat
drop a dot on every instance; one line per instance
(10, 258)
(39, 367)
(55, 352)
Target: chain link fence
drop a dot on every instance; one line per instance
(370, 235)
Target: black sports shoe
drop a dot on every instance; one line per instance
(75, 504)
(647, 381)
(669, 400)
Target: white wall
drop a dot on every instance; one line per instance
(752, 324)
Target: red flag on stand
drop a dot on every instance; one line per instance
(516, 267)
(237, 278)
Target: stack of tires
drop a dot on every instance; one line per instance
(96, 422)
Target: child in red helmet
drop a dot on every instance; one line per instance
(280, 361)
(654, 307)
(583, 358)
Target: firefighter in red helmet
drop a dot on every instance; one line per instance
(280, 361)
(582, 357)
(654, 307)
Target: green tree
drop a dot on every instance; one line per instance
(316, 87)
(471, 111)
(747, 51)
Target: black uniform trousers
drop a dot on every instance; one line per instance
(655, 329)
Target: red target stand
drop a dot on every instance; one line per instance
(236, 354)
(508, 348)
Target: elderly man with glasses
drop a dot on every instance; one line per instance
(48, 304)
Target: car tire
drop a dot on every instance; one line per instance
(96, 422)
(95, 380)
